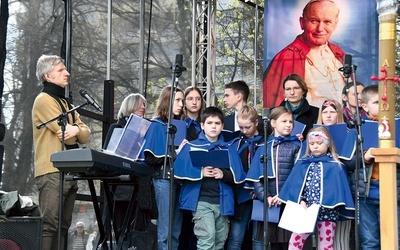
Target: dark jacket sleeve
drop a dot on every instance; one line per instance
(153, 161)
(350, 164)
(259, 190)
(228, 176)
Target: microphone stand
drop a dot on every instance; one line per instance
(62, 120)
(266, 113)
(169, 148)
(350, 72)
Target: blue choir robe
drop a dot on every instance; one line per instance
(349, 145)
(192, 175)
(256, 171)
(193, 128)
(240, 144)
(155, 139)
(335, 190)
(184, 168)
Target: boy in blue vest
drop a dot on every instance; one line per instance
(207, 191)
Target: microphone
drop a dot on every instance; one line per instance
(178, 60)
(347, 68)
(178, 68)
(265, 113)
(347, 61)
(90, 100)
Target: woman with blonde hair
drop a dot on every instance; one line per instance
(331, 112)
(132, 104)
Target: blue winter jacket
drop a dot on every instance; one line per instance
(282, 154)
(192, 176)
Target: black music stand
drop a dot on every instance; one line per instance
(349, 72)
(266, 120)
(177, 70)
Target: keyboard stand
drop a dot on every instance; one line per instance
(105, 219)
(88, 164)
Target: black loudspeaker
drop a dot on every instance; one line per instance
(21, 233)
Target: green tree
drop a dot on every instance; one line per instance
(236, 43)
(37, 28)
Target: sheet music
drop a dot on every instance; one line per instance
(258, 208)
(296, 218)
(298, 128)
(131, 140)
(180, 131)
(114, 139)
(215, 158)
(338, 133)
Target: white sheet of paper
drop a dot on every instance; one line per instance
(297, 219)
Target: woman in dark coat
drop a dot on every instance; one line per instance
(132, 104)
(295, 92)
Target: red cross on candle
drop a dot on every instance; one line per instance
(384, 78)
